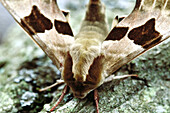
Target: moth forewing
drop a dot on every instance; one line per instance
(42, 21)
(145, 27)
(119, 53)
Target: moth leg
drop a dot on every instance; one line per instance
(142, 79)
(96, 99)
(58, 82)
(113, 77)
(61, 98)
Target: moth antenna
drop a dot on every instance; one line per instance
(60, 99)
(96, 99)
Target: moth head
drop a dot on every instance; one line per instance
(94, 78)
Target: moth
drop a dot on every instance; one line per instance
(89, 58)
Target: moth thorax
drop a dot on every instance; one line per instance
(79, 78)
(83, 53)
(81, 66)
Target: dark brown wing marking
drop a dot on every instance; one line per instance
(145, 35)
(119, 18)
(37, 21)
(65, 13)
(117, 33)
(63, 27)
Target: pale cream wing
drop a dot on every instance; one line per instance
(45, 23)
(145, 27)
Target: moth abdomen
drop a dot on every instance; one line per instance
(94, 24)
(95, 11)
